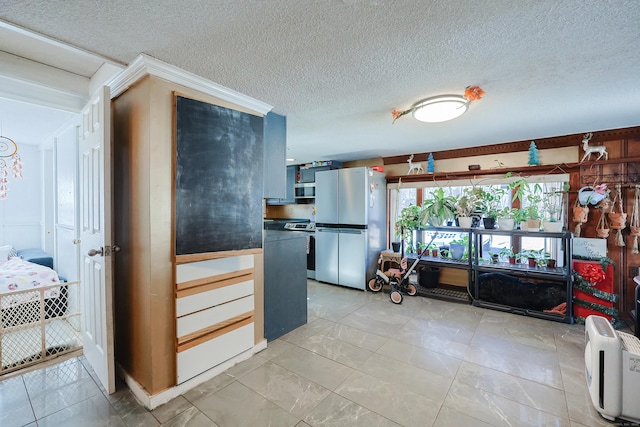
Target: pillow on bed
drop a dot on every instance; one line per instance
(7, 252)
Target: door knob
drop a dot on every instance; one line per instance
(115, 249)
(94, 252)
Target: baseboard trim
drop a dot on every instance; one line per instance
(153, 401)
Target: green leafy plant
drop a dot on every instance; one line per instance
(409, 220)
(438, 208)
(534, 197)
(506, 252)
(552, 203)
(469, 202)
(519, 214)
(492, 201)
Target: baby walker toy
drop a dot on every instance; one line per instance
(398, 280)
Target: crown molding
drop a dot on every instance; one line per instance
(145, 65)
(34, 93)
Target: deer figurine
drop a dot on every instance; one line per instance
(600, 149)
(416, 168)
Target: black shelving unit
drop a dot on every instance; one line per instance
(449, 293)
(539, 275)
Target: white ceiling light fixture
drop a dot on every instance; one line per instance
(440, 108)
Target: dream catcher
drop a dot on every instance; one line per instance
(618, 220)
(8, 152)
(635, 220)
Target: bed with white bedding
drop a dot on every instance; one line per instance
(17, 274)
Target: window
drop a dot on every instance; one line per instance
(542, 196)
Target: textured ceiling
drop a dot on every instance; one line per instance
(336, 69)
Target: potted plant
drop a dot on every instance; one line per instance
(507, 218)
(533, 214)
(467, 205)
(457, 247)
(508, 253)
(491, 205)
(519, 189)
(520, 257)
(532, 259)
(553, 208)
(438, 208)
(494, 256)
(409, 220)
(434, 249)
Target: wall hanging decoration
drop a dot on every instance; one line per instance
(442, 107)
(602, 229)
(8, 153)
(580, 216)
(601, 150)
(414, 167)
(635, 220)
(533, 154)
(618, 220)
(592, 195)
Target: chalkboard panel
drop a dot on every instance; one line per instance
(218, 178)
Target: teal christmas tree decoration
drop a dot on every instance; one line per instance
(431, 168)
(533, 154)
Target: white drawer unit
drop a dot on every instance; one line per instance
(214, 313)
(192, 323)
(200, 358)
(202, 300)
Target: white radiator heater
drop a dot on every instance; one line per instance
(612, 368)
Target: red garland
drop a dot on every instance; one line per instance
(593, 273)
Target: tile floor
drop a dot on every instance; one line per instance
(360, 361)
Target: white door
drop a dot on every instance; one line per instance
(95, 228)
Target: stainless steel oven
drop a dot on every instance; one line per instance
(309, 229)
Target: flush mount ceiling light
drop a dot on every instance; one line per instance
(440, 108)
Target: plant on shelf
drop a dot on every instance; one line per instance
(536, 257)
(433, 249)
(508, 254)
(534, 198)
(467, 205)
(519, 188)
(519, 215)
(552, 203)
(438, 208)
(458, 247)
(490, 203)
(507, 218)
(409, 220)
(420, 247)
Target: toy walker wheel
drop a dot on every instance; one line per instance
(396, 297)
(411, 290)
(375, 284)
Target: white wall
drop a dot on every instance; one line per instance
(21, 212)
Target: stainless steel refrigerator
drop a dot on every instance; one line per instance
(351, 208)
